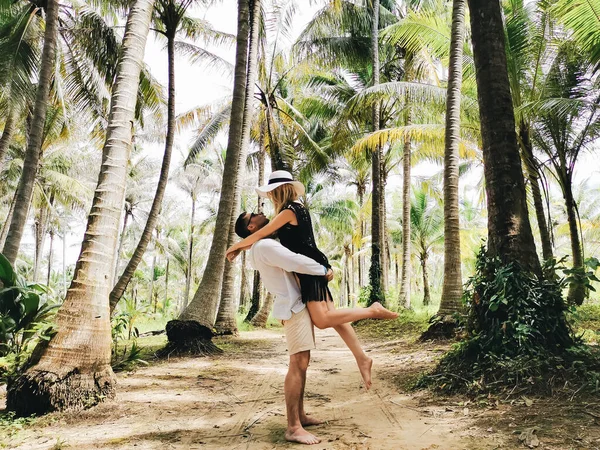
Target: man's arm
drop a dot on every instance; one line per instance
(274, 254)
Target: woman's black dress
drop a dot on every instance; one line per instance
(301, 239)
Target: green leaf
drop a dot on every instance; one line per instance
(7, 274)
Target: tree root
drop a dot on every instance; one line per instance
(441, 329)
(188, 337)
(41, 391)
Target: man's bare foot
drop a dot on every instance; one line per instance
(379, 312)
(365, 371)
(301, 436)
(307, 421)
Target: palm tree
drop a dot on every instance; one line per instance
(169, 17)
(452, 284)
(427, 222)
(203, 307)
(74, 370)
(377, 185)
(34, 146)
(564, 131)
(82, 73)
(509, 232)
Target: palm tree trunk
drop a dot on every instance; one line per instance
(203, 307)
(64, 261)
(188, 269)
(509, 230)
(533, 176)
(576, 294)
(404, 298)
(226, 322)
(375, 271)
(426, 292)
(167, 281)
(261, 318)
(452, 284)
(50, 256)
(152, 298)
(8, 220)
(120, 248)
(74, 370)
(41, 226)
(243, 301)
(36, 135)
(146, 236)
(9, 130)
(256, 294)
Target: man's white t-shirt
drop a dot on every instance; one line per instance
(276, 264)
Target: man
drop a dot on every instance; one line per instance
(276, 264)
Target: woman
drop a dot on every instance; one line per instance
(293, 226)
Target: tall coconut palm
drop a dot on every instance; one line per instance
(225, 322)
(452, 284)
(377, 192)
(34, 146)
(203, 307)
(509, 232)
(75, 370)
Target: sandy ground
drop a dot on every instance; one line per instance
(235, 401)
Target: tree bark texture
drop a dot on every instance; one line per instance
(576, 294)
(452, 291)
(426, 291)
(375, 271)
(10, 126)
(404, 298)
(74, 370)
(509, 230)
(36, 135)
(261, 318)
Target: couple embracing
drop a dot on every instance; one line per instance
(297, 273)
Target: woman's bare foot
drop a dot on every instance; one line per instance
(379, 312)
(301, 436)
(307, 421)
(365, 371)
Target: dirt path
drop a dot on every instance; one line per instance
(236, 402)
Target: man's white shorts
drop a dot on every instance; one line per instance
(299, 332)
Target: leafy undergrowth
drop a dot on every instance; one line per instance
(519, 341)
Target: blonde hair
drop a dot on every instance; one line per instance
(282, 196)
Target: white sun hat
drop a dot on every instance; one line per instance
(278, 178)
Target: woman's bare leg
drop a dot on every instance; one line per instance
(350, 338)
(323, 317)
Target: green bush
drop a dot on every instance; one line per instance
(518, 336)
(25, 318)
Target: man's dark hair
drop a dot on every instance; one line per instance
(241, 226)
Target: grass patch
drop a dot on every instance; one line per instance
(586, 322)
(11, 425)
(409, 325)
